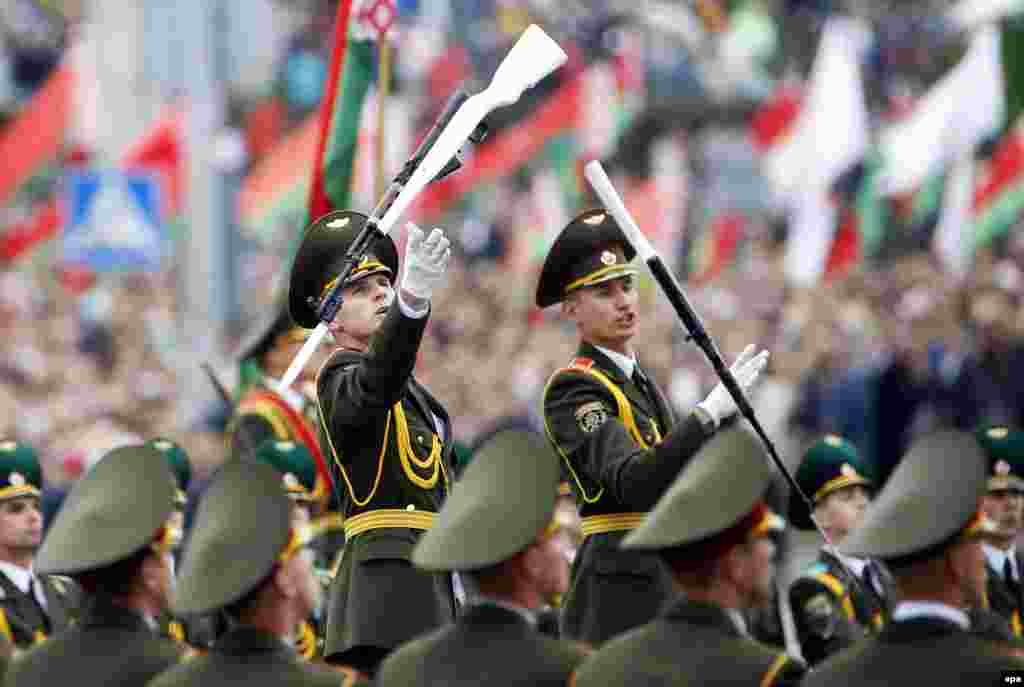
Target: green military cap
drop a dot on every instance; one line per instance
(505, 499)
(296, 466)
(931, 497)
(117, 509)
(178, 461)
(1004, 448)
(321, 258)
(720, 487)
(830, 464)
(20, 474)
(590, 250)
(242, 528)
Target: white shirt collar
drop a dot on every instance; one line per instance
(997, 559)
(18, 575)
(907, 610)
(856, 565)
(738, 620)
(294, 398)
(626, 363)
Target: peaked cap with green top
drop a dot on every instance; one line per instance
(830, 464)
(177, 460)
(119, 507)
(20, 473)
(296, 467)
(724, 483)
(242, 528)
(503, 502)
(1004, 448)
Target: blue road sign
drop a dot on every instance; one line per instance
(113, 221)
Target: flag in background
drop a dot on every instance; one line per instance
(348, 81)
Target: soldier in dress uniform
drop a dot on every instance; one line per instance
(1004, 505)
(114, 536)
(388, 439)
(298, 475)
(713, 530)
(32, 606)
(926, 526)
(621, 443)
(264, 413)
(498, 528)
(198, 633)
(831, 610)
(247, 556)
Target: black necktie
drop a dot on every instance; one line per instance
(640, 379)
(1008, 576)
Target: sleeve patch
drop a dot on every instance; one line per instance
(590, 416)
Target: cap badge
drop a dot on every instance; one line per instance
(162, 445)
(608, 257)
(290, 480)
(1002, 467)
(594, 220)
(833, 440)
(8, 445)
(285, 445)
(848, 470)
(339, 223)
(16, 479)
(998, 433)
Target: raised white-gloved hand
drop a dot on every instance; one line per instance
(747, 368)
(426, 260)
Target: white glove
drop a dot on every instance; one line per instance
(425, 261)
(747, 368)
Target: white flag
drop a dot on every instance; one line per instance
(952, 241)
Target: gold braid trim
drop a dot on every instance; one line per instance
(625, 415)
(305, 643)
(774, 669)
(384, 518)
(610, 522)
(836, 587)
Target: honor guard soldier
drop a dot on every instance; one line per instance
(247, 556)
(389, 439)
(32, 606)
(1004, 505)
(925, 525)
(263, 412)
(618, 436)
(114, 536)
(299, 479)
(830, 610)
(713, 530)
(499, 530)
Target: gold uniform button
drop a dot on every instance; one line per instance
(410, 507)
(649, 438)
(419, 438)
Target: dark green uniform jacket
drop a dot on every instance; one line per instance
(250, 657)
(831, 612)
(921, 651)
(24, 622)
(488, 645)
(109, 646)
(616, 480)
(692, 643)
(385, 448)
(1004, 596)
